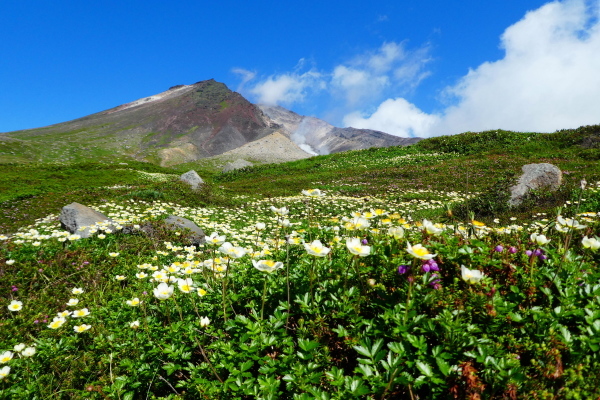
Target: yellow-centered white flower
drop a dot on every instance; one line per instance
(356, 247)
(471, 275)
(268, 266)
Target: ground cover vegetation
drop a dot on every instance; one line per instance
(377, 274)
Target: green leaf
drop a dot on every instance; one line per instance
(424, 368)
(443, 366)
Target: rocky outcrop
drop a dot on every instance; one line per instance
(83, 221)
(535, 177)
(192, 232)
(193, 179)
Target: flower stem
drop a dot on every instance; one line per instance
(262, 307)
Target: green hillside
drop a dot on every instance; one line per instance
(378, 274)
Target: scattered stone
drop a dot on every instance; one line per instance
(196, 235)
(535, 176)
(79, 219)
(237, 164)
(193, 179)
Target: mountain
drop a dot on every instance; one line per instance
(187, 123)
(313, 134)
(184, 123)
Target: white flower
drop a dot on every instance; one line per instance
(4, 371)
(163, 291)
(268, 266)
(77, 290)
(28, 352)
(185, 285)
(114, 254)
(120, 277)
(134, 324)
(19, 347)
(471, 275)
(81, 328)
(204, 321)
(396, 231)
(10, 262)
(431, 228)
(260, 226)
(539, 239)
(84, 312)
(317, 249)
(419, 251)
(6, 357)
(215, 239)
(15, 305)
(134, 302)
(57, 322)
(72, 302)
(590, 243)
(356, 247)
(280, 211)
(232, 251)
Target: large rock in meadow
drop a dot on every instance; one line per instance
(535, 177)
(194, 233)
(81, 220)
(193, 179)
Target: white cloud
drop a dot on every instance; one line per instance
(395, 116)
(548, 79)
(285, 88)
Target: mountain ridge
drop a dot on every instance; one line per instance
(182, 124)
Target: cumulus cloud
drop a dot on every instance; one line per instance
(285, 88)
(547, 80)
(397, 117)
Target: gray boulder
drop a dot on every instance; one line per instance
(237, 164)
(194, 233)
(535, 177)
(81, 220)
(193, 179)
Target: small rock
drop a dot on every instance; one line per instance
(74, 217)
(193, 179)
(196, 234)
(535, 176)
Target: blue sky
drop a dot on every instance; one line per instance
(410, 68)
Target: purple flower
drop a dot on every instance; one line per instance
(498, 249)
(542, 257)
(426, 267)
(14, 288)
(512, 250)
(365, 242)
(402, 269)
(538, 252)
(529, 253)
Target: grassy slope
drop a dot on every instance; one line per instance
(471, 162)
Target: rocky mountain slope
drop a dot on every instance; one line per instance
(184, 124)
(313, 134)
